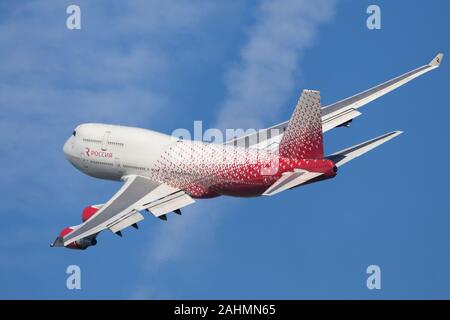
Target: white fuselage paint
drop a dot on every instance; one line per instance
(111, 152)
(202, 169)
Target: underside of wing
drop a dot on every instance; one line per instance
(169, 203)
(122, 210)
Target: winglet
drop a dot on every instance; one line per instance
(437, 60)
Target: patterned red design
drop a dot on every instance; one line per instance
(227, 170)
(206, 170)
(303, 138)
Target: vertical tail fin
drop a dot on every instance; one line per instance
(303, 137)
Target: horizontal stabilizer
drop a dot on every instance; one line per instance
(344, 156)
(289, 180)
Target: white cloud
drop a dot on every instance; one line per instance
(260, 83)
(116, 69)
(183, 235)
(182, 239)
(257, 86)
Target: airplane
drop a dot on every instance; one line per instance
(162, 174)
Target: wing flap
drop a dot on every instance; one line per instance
(133, 218)
(170, 203)
(339, 119)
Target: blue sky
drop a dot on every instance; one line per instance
(161, 65)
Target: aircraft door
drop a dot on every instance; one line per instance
(105, 140)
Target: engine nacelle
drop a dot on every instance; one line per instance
(80, 244)
(88, 212)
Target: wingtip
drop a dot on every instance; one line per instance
(59, 242)
(436, 62)
(392, 135)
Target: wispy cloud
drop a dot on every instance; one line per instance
(183, 235)
(116, 69)
(121, 67)
(257, 85)
(260, 82)
(181, 240)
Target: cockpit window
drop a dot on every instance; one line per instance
(74, 133)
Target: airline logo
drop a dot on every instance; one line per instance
(99, 154)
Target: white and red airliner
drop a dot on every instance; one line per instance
(162, 173)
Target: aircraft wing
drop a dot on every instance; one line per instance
(337, 114)
(342, 111)
(122, 210)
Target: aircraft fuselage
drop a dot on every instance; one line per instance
(203, 170)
